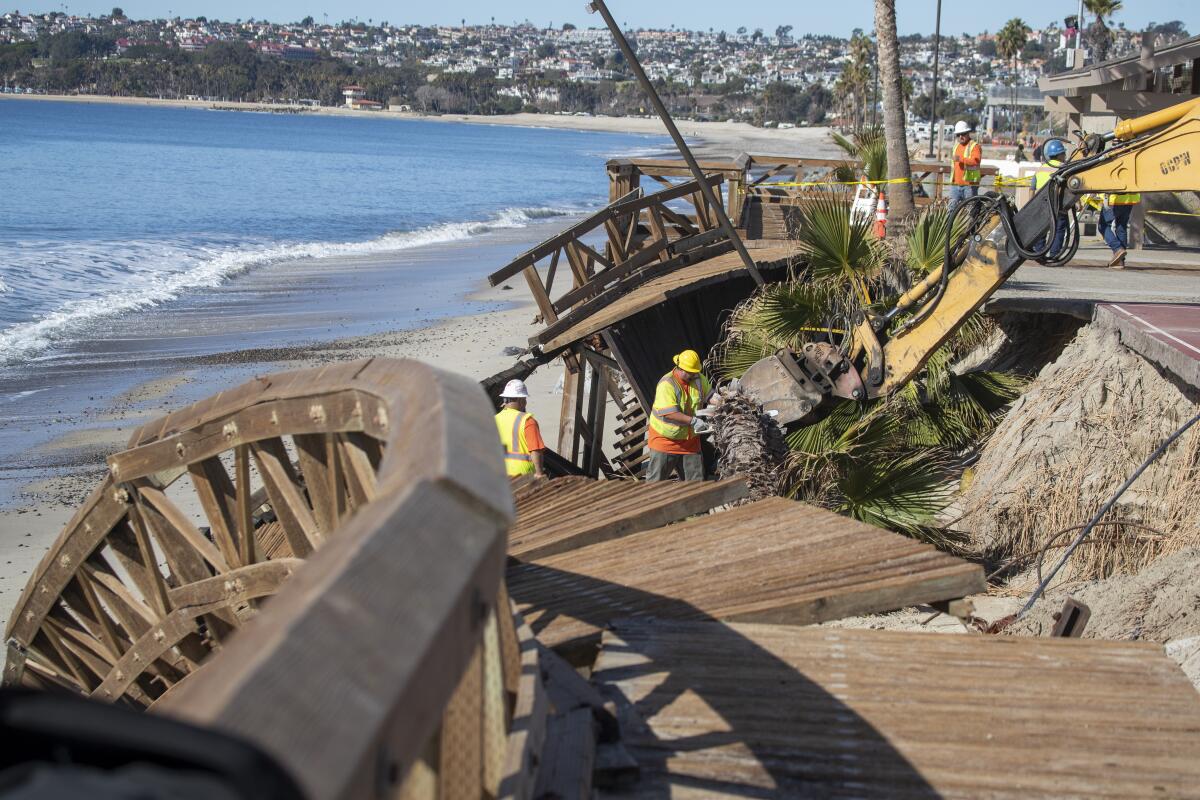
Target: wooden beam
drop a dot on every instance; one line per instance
(536, 254)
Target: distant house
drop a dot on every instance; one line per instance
(356, 98)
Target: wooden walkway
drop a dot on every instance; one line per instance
(712, 710)
(661, 289)
(565, 514)
(774, 560)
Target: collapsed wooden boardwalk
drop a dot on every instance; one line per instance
(772, 560)
(736, 710)
(397, 653)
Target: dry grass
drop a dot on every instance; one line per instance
(1084, 426)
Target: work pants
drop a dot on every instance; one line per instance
(690, 466)
(1060, 236)
(1114, 226)
(960, 193)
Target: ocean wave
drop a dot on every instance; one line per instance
(207, 267)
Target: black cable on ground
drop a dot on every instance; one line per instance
(1033, 598)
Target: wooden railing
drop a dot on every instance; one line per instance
(929, 179)
(368, 502)
(645, 238)
(753, 181)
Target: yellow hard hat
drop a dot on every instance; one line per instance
(688, 361)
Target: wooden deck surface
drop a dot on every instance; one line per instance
(565, 514)
(652, 293)
(712, 710)
(774, 560)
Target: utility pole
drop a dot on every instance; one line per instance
(937, 48)
(1079, 29)
(709, 195)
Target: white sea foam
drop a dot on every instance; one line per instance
(168, 271)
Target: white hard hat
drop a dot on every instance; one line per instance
(515, 389)
(962, 126)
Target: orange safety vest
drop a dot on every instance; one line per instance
(510, 423)
(964, 175)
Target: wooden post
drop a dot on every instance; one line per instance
(566, 414)
(577, 412)
(597, 402)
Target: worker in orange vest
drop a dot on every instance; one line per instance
(519, 433)
(964, 179)
(673, 438)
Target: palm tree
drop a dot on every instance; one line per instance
(1099, 36)
(888, 462)
(900, 194)
(1010, 43)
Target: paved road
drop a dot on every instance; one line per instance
(1077, 290)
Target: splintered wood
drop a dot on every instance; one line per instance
(562, 515)
(774, 560)
(713, 710)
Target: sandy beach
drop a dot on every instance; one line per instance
(709, 139)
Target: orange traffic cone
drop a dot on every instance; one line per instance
(881, 216)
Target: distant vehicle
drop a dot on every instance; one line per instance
(786, 125)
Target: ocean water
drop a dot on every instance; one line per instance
(109, 212)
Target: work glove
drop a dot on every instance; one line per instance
(700, 426)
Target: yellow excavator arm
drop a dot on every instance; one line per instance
(1159, 152)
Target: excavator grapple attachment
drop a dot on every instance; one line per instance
(794, 385)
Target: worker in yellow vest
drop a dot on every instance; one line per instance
(519, 433)
(1114, 225)
(1054, 151)
(965, 174)
(673, 438)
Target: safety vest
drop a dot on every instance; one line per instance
(1043, 176)
(670, 397)
(1128, 199)
(971, 175)
(511, 425)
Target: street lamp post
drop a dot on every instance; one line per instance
(937, 48)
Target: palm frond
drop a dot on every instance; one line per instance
(904, 493)
(835, 243)
(927, 240)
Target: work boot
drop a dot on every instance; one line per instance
(1118, 259)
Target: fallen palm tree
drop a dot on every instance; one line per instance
(891, 462)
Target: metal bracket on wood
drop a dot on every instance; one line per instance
(962, 608)
(1070, 622)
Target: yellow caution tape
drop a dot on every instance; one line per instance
(829, 183)
(1026, 181)
(1173, 213)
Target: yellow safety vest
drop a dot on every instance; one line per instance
(669, 396)
(1128, 199)
(971, 175)
(511, 425)
(1043, 176)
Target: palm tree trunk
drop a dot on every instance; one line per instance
(900, 194)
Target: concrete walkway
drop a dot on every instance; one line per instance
(1077, 290)
(1095, 253)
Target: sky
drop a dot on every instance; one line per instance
(806, 16)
